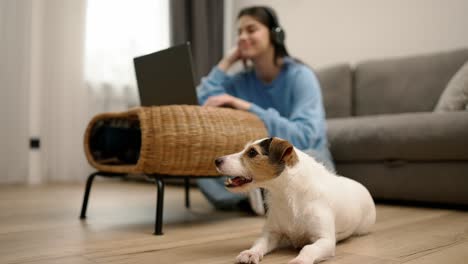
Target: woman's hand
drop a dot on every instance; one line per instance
(233, 56)
(226, 100)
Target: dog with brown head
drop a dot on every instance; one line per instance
(260, 161)
(309, 206)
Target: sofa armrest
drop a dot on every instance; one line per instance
(410, 136)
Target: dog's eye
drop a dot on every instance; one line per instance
(252, 153)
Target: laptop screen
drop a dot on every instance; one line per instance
(166, 77)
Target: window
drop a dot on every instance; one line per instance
(116, 32)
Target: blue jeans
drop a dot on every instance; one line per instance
(222, 199)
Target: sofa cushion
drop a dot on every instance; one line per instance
(435, 182)
(455, 95)
(335, 82)
(400, 85)
(411, 136)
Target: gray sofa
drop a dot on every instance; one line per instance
(383, 131)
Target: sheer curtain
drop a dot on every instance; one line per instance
(64, 61)
(116, 32)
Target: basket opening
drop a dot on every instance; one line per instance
(116, 141)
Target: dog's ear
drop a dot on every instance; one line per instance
(282, 152)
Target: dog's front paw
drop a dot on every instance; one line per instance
(299, 261)
(249, 256)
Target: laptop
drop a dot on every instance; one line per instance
(166, 77)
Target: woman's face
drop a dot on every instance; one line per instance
(253, 37)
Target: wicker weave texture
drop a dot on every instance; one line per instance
(182, 139)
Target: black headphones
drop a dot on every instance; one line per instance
(277, 32)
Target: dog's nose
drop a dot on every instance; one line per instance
(218, 162)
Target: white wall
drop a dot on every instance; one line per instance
(14, 89)
(42, 90)
(326, 32)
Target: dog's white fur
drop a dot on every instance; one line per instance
(309, 207)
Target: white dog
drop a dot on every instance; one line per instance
(308, 206)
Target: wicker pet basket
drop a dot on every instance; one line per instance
(172, 140)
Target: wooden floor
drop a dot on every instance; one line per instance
(40, 225)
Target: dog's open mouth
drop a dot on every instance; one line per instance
(236, 181)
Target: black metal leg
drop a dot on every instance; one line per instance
(159, 206)
(159, 179)
(89, 182)
(187, 192)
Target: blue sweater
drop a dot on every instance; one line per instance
(290, 106)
